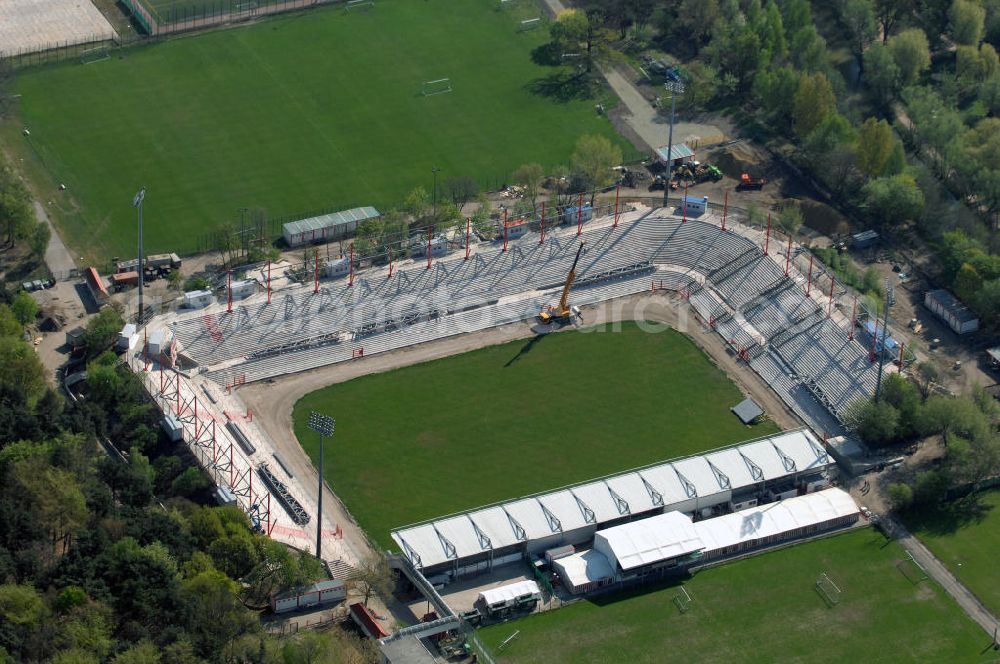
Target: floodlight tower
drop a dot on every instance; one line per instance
(324, 425)
(676, 87)
(890, 299)
(137, 203)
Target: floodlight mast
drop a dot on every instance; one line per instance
(676, 86)
(137, 203)
(324, 425)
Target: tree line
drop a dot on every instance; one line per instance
(111, 555)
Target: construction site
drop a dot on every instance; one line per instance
(803, 342)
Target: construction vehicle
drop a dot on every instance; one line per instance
(749, 182)
(562, 313)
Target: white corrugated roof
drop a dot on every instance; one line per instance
(329, 220)
(594, 504)
(638, 543)
(584, 567)
(509, 592)
(775, 518)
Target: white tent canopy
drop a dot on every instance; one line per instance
(510, 592)
(646, 541)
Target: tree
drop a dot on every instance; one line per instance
(790, 217)
(911, 53)
(24, 307)
(189, 482)
(772, 88)
(888, 13)
(813, 102)
(20, 367)
(900, 496)
(53, 498)
(967, 282)
(374, 576)
(574, 28)
(927, 375)
(102, 331)
(875, 422)
(859, 17)
(695, 19)
(212, 593)
(462, 189)
(417, 202)
(881, 74)
(530, 176)
(16, 216)
(38, 240)
(967, 20)
(141, 653)
(876, 141)
(593, 161)
(893, 200)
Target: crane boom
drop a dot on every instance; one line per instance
(570, 278)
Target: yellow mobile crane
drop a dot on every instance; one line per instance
(562, 313)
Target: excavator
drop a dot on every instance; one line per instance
(562, 314)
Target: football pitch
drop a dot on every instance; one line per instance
(762, 609)
(319, 109)
(964, 534)
(518, 418)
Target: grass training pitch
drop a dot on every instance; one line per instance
(518, 418)
(762, 609)
(964, 534)
(295, 113)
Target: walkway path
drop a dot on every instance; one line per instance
(936, 570)
(57, 257)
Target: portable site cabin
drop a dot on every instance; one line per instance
(198, 299)
(864, 239)
(949, 309)
(516, 228)
(126, 336)
(122, 280)
(439, 246)
(573, 214)
(317, 594)
(326, 227)
(680, 153)
(523, 594)
(161, 341)
(243, 289)
(695, 205)
(337, 268)
(173, 428)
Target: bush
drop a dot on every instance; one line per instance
(900, 496)
(197, 283)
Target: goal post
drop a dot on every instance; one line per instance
(529, 24)
(359, 5)
(828, 590)
(911, 568)
(436, 87)
(682, 600)
(97, 54)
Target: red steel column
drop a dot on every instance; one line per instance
(873, 351)
(854, 313)
(579, 216)
(810, 282)
(350, 268)
(767, 235)
(269, 282)
(316, 274)
(468, 231)
(542, 240)
(229, 281)
(505, 230)
(618, 191)
(684, 204)
(725, 209)
(430, 232)
(390, 264)
(788, 254)
(829, 305)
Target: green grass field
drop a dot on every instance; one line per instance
(518, 418)
(965, 535)
(295, 113)
(762, 609)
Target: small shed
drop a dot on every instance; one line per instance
(96, 285)
(198, 299)
(326, 227)
(160, 342)
(948, 308)
(125, 337)
(516, 228)
(694, 205)
(173, 428)
(864, 239)
(574, 214)
(74, 337)
(679, 153)
(243, 288)
(317, 594)
(337, 268)
(439, 246)
(748, 411)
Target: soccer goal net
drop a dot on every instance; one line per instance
(529, 24)
(682, 600)
(440, 86)
(95, 55)
(828, 590)
(359, 5)
(911, 569)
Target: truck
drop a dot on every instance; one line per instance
(748, 181)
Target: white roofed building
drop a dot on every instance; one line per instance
(714, 483)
